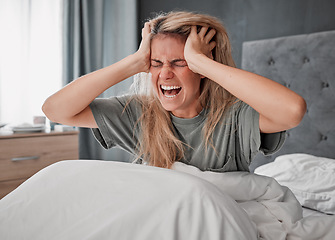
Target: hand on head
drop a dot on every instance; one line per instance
(199, 43)
(144, 49)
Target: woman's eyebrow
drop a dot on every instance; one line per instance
(172, 62)
(178, 60)
(157, 61)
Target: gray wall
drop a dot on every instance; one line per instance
(253, 19)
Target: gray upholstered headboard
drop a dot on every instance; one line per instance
(305, 64)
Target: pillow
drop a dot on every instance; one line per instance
(310, 178)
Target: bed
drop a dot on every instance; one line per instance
(289, 195)
(305, 64)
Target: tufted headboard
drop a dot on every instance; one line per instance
(305, 64)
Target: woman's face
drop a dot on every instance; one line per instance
(176, 86)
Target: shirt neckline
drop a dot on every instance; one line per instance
(188, 121)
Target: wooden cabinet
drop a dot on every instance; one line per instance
(22, 155)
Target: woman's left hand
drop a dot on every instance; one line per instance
(199, 44)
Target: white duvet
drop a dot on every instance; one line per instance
(110, 200)
(310, 178)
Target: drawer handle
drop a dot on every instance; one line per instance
(25, 158)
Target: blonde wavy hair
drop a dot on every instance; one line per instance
(158, 145)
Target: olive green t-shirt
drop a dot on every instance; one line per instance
(236, 139)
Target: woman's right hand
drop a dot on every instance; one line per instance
(144, 50)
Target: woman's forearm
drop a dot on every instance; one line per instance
(77, 95)
(70, 105)
(275, 103)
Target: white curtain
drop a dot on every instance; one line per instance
(45, 44)
(30, 57)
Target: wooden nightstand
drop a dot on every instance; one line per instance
(22, 155)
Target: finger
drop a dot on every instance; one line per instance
(202, 32)
(145, 42)
(147, 24)
(212, 45)
(210, 35)
(146, 29)
(193, 30)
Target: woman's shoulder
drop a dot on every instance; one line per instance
(123, 104)
(239, 110)
(121, 101)
(240, 106)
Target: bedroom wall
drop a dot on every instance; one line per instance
(253, 19)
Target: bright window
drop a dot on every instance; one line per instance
(30, 56)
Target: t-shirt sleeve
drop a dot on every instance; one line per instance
(116, 119)
(272, 142)
(251, 139)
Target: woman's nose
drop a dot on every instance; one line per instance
(166, 73)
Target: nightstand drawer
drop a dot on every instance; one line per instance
(23, 157)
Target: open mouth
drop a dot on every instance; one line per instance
(170, 91)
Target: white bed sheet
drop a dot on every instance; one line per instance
(310, 178)
(272, 207)
(109, 200)
(306, 212)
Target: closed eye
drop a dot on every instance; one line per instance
(176, 62)
(156, 63)
(179, 63)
